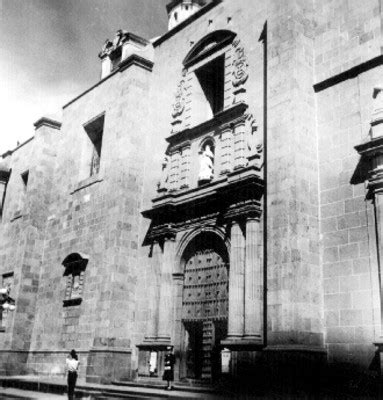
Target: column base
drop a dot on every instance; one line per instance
(243, 343)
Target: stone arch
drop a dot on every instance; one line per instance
(207, 140)
(209, 44)
(203, 257)
(189, 236)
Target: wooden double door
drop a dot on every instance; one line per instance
(204, 311)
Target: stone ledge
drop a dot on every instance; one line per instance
(139, 61)
(295, 348)
(44, 121)
(243, 344)
(87, 182)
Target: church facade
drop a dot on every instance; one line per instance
(217, 191)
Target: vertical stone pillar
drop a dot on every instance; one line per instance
(239, 145)
(165, 313)
(253, 282)
(174, 173)
(178, 280)
(185, 167)
(152, 325)
(378, 201)
(236, 282)
(226, 152)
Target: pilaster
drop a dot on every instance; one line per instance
(253, 282)
(152, 325)
(236, 282)
(185, 167)
(165, 314)
(174, 173)
(239, 144)
(226, 150)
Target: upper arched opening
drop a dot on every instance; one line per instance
(208, 45)
(75, 262)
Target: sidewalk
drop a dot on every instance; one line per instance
(44, 386)
(17, 394)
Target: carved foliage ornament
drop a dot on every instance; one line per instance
(240, 64)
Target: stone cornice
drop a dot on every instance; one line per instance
(349, 74)
(44, 121)
(371, 147)
(10, 152)
(228, 116)
(244, 209)
(236, 195)
(136, 60)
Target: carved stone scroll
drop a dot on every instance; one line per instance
(240, 65)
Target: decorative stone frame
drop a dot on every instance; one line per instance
(75, 265)
(6, 281)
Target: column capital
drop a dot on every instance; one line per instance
(243, 210)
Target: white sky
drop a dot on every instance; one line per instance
(48, 53)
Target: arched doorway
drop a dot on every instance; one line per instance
(204, 305)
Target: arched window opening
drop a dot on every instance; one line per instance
(211, 78)
(75, 265)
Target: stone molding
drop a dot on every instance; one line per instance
(136, 60)
(175, 211)
(208, 45)
(187, 22)
(50, 123)
(230, 115)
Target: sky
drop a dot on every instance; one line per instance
(49, 53)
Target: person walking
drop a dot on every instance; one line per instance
(72, 364)
(169, 367)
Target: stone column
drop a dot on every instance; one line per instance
(226, 152)
(239, 145)
(372, 152)
(378, 202)
(185, 167)
(165, 313)
(236, 282)
(152, 325)
(178, 280)
(253, 282)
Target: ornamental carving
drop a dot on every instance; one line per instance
(240, 64)
(109, 46)
(162, 185)
(179, 104)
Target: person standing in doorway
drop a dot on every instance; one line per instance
(169, 367)
(72, 364)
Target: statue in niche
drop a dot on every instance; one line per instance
(162, 185)
(206, 172)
